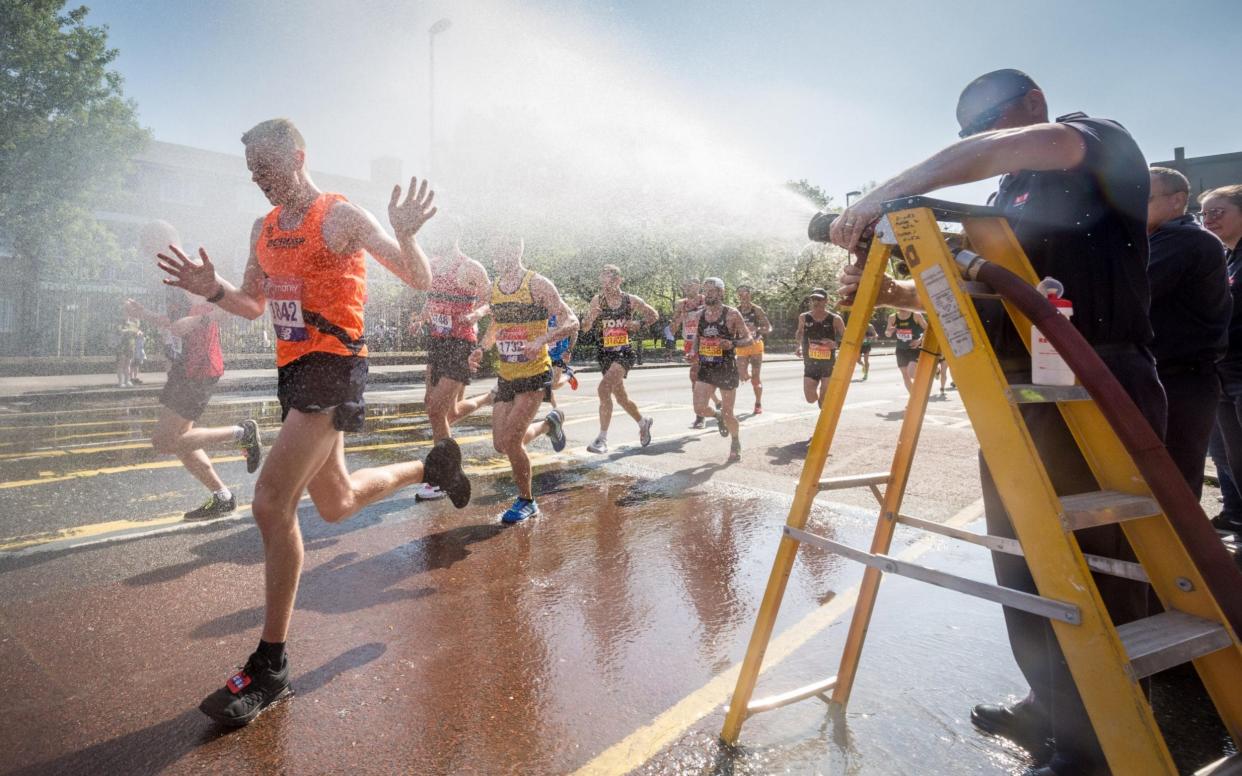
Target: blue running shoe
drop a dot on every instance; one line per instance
(520, 510)
(556, 433)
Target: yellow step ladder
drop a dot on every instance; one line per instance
(1194, 577)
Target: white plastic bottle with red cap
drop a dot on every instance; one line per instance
(1047, 366)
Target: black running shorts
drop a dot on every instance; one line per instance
(507, 390)
(449, 357)
(185, 396)
(723, 375)
(817, 368)
(866, 347)
(905, 357)
(319, 382)
(626, 358)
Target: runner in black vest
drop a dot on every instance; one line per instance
(614, 310)
(908, 328)
(818, 335)
(720, 330)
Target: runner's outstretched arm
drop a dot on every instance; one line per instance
(403, 256)
(798, 337)
(589, 320)
(544, 293)
(200, 278)
(648, 312)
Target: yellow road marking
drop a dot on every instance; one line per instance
(649, 740)
(119, 526)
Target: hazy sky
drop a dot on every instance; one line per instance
(839, 93)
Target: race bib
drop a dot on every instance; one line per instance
(284, 302)
(905, 335)
(710, 350)
(616, 338)
(441, 324)
(691, 328)
(820, 351)
(511, 345)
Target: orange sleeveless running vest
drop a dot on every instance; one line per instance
(314, 295)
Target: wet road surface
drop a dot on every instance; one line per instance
(601, 636)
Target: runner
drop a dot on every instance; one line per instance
(614, 310)
(195, 366)
(720, 329)
(908, 327)
(522, 302)
(454, 306)
(818, 335)
(865, 357)
(685, 314)
(307, 267)
(750, 357)
(561, 353)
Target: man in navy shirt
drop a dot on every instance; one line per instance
(1075, 192)
(1190, 312)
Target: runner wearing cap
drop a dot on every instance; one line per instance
(818, 335)
(685, 314)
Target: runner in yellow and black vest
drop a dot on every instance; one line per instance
(522, 301)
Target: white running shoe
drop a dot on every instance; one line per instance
(644, 431)
(428, 492)
(600, 445)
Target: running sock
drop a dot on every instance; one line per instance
(525, 500)
(223, 495)
(275, 653)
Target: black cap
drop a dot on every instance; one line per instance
(819, 293)
(984, 99)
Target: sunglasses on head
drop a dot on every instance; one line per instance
(985, 120)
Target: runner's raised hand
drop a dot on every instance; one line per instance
(409, 216)
(196, 278)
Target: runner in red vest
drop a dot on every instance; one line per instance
(307, 268)
(195, 364)
(455, 303)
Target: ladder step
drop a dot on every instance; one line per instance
(1169, 639)
(1015, 599)
(1103, 507)
(1029, 393)
(1111, 566)
(854, 481)
(1225, 766)
(793, 696)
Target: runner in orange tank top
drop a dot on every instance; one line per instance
(307, 269)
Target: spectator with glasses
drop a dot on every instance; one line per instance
(1222, 216)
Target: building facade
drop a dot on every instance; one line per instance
(1205, 172)
(210, 199)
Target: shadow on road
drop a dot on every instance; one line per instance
(787, 454)
(154, 749)
(343, 584)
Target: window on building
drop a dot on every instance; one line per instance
(8, 315)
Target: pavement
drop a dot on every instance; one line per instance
(601, 637)
(43, 387)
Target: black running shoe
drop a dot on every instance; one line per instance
(720, 424)
(556, 432)
(442, 468)
(698, 422)
(214, 507)
(252, 443)
(248, 692)
(1227, 524)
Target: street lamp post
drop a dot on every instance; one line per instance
(849, 194)
(432, 32)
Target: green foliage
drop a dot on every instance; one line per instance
(812, 192)
(66, 136)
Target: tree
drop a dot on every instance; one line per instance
(67, 134)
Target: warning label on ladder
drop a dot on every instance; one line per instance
(956, 330)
